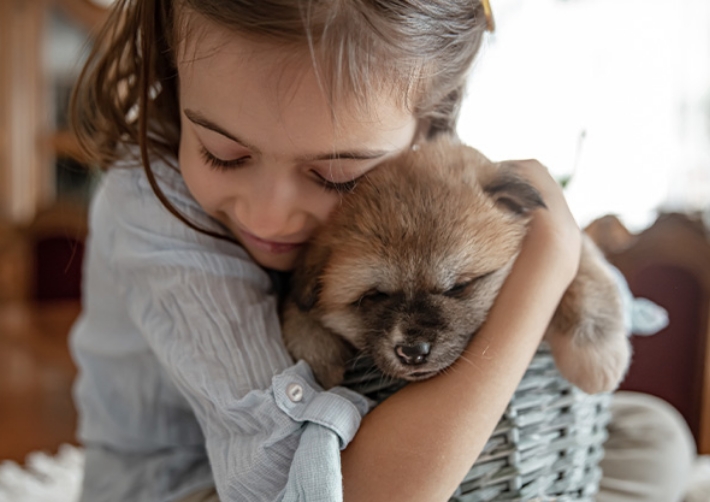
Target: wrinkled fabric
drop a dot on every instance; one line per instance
(184, 381)
(650, 452)
(641, 315)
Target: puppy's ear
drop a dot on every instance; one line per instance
(512, 191)
(306, 283)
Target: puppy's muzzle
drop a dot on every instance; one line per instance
(413, 355)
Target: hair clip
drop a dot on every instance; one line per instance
(490, 22)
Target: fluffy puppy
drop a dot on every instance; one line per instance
(408, 266)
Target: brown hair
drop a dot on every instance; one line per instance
(422, 46)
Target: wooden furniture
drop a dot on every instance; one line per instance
(55, 245)
(42, 205)
(42, 261)
(28, 143)
(89, 14)
(14, 266)
(26, 178)
(669, 263)
(36, 375)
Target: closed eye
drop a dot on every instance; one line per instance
(339, 187)
(463, 288)
(220, 164)
(373, 295)
(459, 290)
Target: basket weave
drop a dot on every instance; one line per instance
(546, 447)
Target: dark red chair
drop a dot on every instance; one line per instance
(669, 263)
(56, 240)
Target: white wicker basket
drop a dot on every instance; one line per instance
(546, 447)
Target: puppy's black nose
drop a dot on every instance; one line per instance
(413, 355)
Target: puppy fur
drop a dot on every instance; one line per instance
(408, 266)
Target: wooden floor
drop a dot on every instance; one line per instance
(36, 374)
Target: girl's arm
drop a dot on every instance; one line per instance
(419, 444)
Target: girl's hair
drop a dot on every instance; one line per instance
(127, 92)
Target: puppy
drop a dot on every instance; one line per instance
(408, 266)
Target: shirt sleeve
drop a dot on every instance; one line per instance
(271, 432)
(641, 315)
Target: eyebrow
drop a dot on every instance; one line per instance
(202, 121)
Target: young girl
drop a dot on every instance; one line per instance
(231, 130)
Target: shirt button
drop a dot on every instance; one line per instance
(294, 392)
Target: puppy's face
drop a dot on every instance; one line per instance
(408, 267)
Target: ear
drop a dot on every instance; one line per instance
(306, 283)
(513, 192)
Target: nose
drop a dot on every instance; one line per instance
(413, 355)
(272, 212)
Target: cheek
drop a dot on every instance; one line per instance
(347, 324)
(324, 205)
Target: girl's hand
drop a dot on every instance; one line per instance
(553, 236)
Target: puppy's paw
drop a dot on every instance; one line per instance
(328, 376)
(594, 364)
(308, 340)
(587, 333)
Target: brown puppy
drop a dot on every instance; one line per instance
(408, 266)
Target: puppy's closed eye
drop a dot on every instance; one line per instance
(462, 288)
(371, 296)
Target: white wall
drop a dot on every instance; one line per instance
(632, 76)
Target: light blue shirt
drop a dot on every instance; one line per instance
(184, 381)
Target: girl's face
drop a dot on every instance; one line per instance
(263, 152)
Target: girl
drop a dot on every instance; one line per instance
(232, 128)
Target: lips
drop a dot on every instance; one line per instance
(270, 246)
(420, 375)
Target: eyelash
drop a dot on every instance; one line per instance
(344, 187)
(225, 165)
(219, 164)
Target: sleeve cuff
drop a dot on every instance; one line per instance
(299, 396)
(641, 316)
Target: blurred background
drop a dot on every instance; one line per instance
(612, 95)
